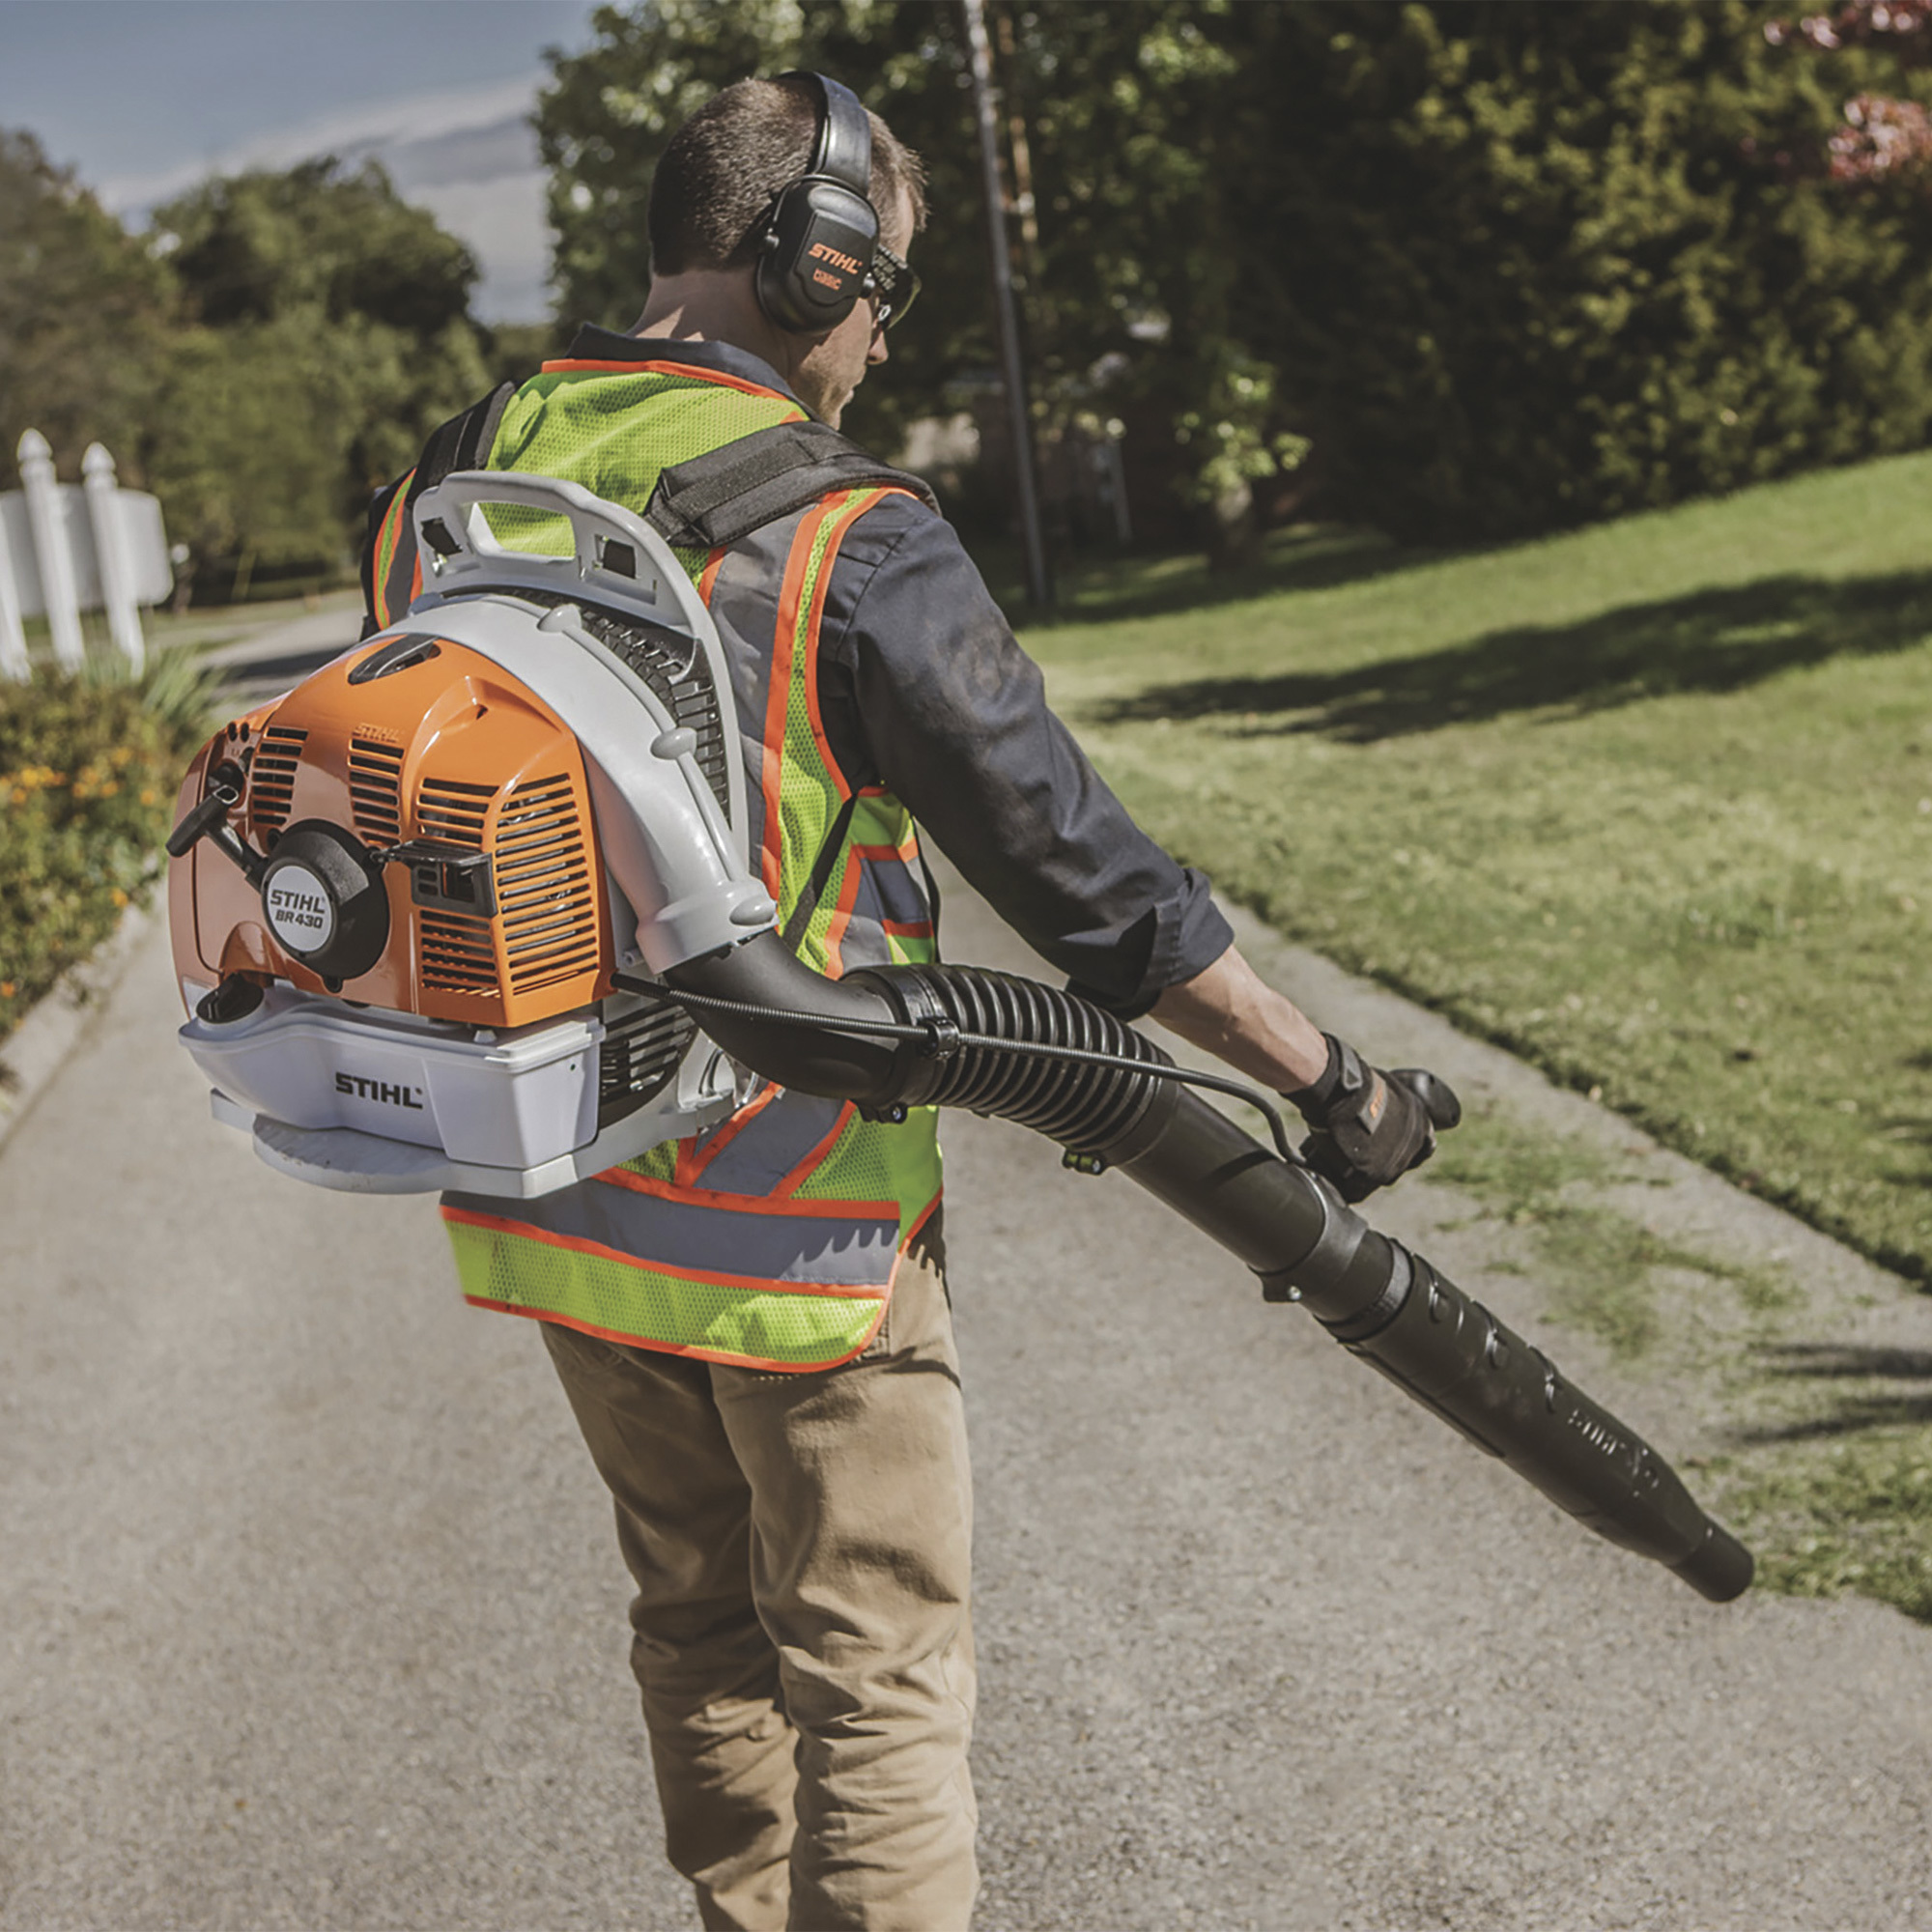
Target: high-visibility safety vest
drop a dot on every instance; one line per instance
(771, 1240)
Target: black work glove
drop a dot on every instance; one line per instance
(1371, 1128)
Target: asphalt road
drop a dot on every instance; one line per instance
(310, 1615)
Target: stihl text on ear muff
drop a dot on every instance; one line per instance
(821, 232)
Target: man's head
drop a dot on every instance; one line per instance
(710, 200)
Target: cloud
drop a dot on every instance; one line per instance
(411, 120)
(467, 155)
(502, 220)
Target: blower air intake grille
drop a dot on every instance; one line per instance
(639, 1055)
(546, 928)
(458, 956)
(673, 668)
(453, 811)
(271, 786)
(375, 790)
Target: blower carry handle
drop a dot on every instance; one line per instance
(615, 557)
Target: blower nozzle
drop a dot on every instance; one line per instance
(1012, 1049)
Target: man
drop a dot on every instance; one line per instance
(773, 1402)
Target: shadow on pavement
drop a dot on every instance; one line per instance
(1854, 1412)
(1710, 640)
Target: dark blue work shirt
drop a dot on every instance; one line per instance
(924, 688)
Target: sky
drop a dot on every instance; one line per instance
(143, 97)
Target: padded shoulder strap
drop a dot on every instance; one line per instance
(463, 443)
(721, 497)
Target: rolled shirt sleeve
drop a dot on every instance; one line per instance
(924, 688)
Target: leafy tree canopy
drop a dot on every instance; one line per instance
(277, 347)
(253, 247)
(332, 333)
(84, 310)
(1496, 267)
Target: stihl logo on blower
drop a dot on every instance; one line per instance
(376, 1090)
(299, 910)
(499, 859)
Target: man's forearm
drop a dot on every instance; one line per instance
(1235, 1015)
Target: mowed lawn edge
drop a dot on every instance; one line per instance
(1649, 803)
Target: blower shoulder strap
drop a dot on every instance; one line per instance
(463, 443)
(720, 497)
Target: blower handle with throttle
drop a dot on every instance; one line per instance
(899, 1036)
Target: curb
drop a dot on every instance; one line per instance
(1670, 1194)
(36, 1049)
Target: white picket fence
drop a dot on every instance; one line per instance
(66, 547)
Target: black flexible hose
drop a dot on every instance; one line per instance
(957, 1036)
(1113, 1049)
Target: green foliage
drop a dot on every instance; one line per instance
(331, 335)
(83, 314)
(1827, 1513)
(278, 348)
(1531, 265)
(89, 769)
(1487, 268)
(309, 238)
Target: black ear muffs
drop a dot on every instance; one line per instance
(816, 264)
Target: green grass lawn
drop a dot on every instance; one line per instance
(1649, 804)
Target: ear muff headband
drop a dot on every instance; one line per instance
(820, 234)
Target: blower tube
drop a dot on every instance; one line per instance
(1381, 1302)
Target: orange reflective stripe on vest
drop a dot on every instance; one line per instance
(772, 1240)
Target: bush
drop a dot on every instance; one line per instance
(1525, 267)
(89, 768)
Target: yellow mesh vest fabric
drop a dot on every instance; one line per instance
(650, 1307)
(612, 432)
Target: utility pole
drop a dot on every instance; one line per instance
(1038, 589)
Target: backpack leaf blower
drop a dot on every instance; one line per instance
(470, 908)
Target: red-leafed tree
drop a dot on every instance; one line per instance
(1885, 136)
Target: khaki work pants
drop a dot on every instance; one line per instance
(800, 1545)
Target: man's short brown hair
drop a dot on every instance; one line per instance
(723, 169)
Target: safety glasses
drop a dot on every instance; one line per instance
(894, 285)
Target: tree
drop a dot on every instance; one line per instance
(329, 333)
(1489, 269)
(84, 314)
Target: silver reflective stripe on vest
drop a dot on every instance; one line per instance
(834, 1251)
(771, 1145)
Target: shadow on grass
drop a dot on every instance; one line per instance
(1825, 1362)
(1112, 590)
(1710, 640)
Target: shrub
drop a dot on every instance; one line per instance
(89, 768)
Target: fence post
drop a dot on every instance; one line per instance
(14, 660)
(50, 551)
(110, 550)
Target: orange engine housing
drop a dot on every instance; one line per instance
(487, 768)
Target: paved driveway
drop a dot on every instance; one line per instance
(309, 1616)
